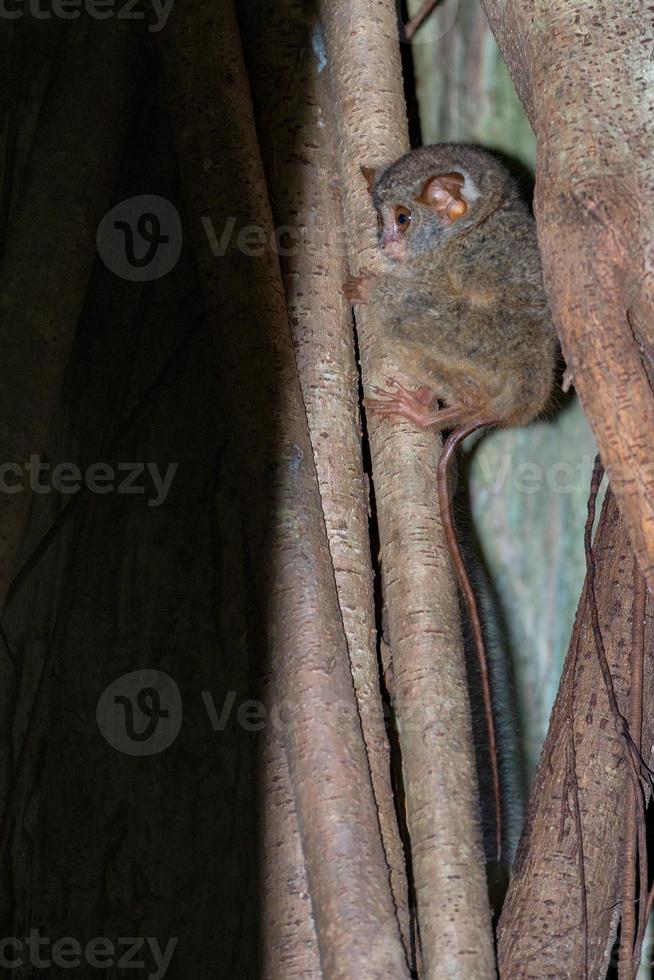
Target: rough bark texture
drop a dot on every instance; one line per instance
(584, 76)
(541, 933)
(297, 137)
(272, 463)
(51, 247)
(430, 687)
(289, 945)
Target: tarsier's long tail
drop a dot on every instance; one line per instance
(452, 443)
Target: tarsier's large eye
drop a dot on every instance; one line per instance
(402, 218)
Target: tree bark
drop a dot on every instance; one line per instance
(582, 74)
(297, 137)
(429, 676)
(289, 945)
(50, 250)
(541, 930)
(272, 464)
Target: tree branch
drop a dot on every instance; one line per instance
(418, 19)
(297, 131)
(430, 684)
(273, 478)
(540, 923)
(583, 83)
(289, 945)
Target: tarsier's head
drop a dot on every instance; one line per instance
(431, 194)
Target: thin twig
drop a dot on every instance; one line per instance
(619, 721)
(573, 785)
(418, 19)
(631, 842)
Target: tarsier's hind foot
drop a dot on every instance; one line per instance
(419, 406)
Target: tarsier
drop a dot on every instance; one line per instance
(463, 314)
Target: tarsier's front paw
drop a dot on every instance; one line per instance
(357, 289)
(400, 401)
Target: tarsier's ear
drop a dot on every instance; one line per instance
(442, 192)
(370, 174)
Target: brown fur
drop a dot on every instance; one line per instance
(465, 313)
